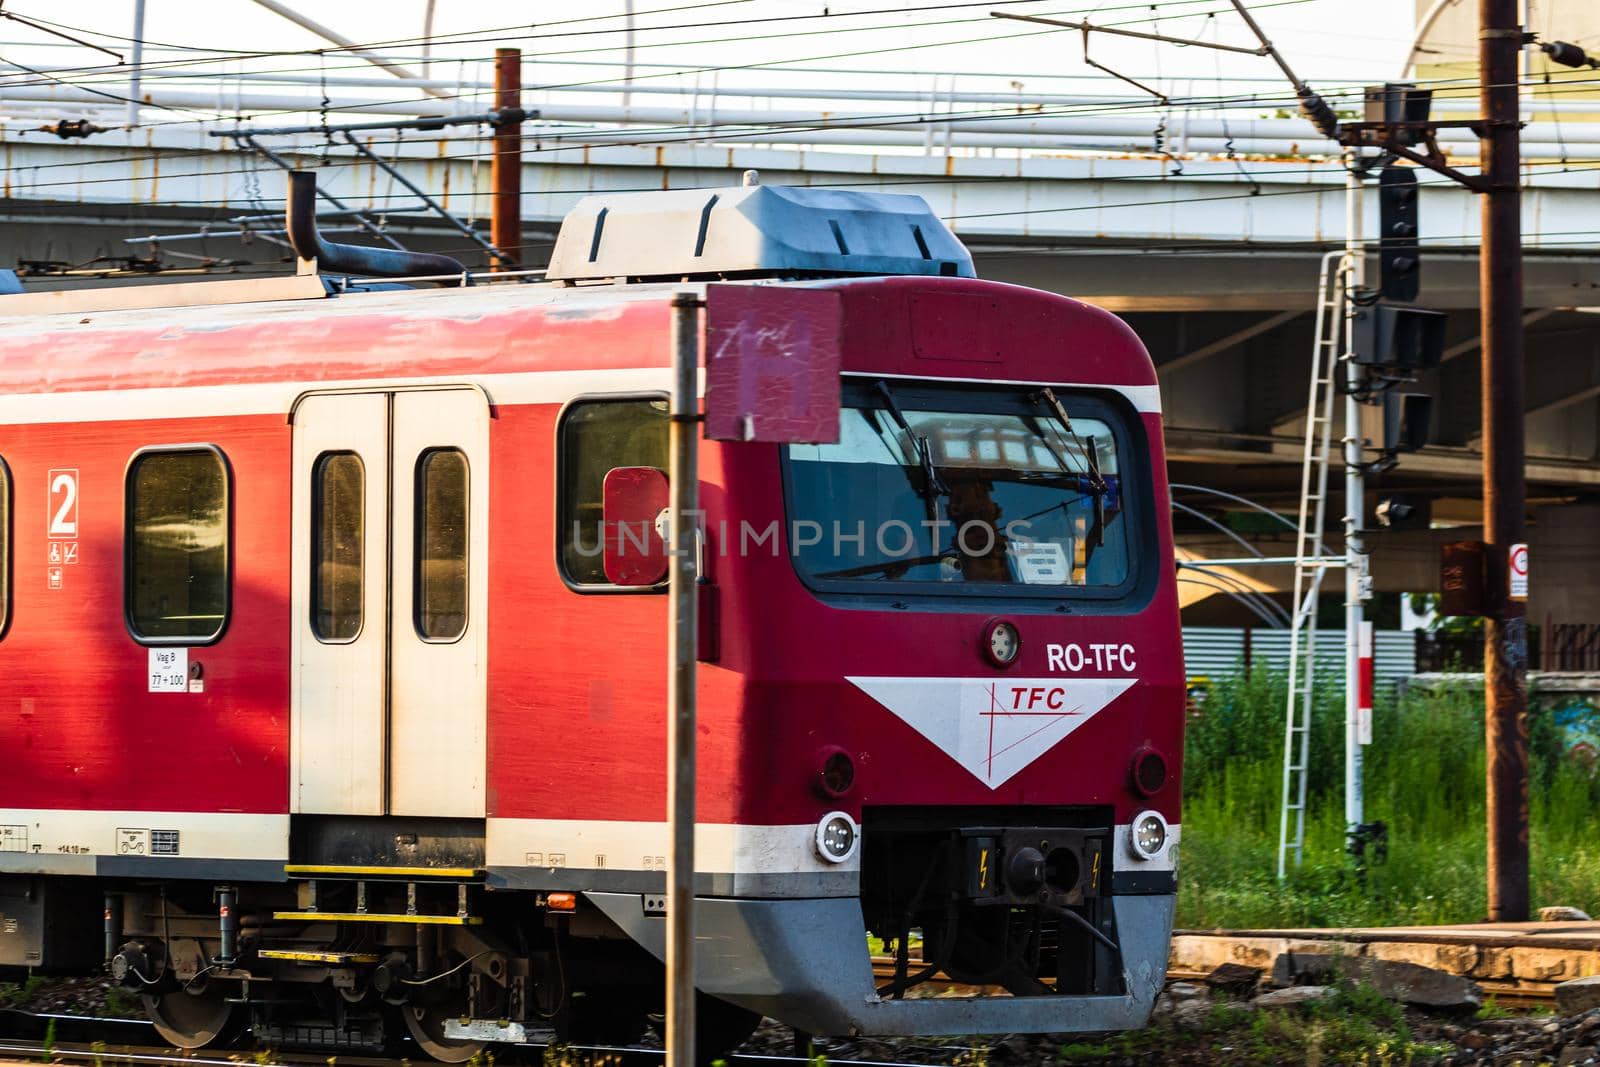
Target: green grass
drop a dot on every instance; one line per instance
(1357, 1025)
(1424, 778)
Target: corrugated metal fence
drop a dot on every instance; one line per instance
(1215, 650)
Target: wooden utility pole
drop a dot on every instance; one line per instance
(505, 230)
(1505, 666)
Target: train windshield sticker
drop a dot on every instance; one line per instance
(994, 727)
(1040, 562)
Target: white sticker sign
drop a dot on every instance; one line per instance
(1517, 559)
(1040, 562)
(169, 670)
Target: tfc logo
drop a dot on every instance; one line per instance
(994, 728)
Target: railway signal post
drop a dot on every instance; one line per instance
(1357, 577)
(1501, 39)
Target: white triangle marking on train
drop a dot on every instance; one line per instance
(994, 727)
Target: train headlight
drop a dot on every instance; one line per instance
(837, 837)
(1148, 835)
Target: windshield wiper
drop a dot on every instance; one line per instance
(933, 486)
(1046, 397)
(894, 568)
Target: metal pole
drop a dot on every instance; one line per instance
(427, 39)
(344, 42)
(505, 230)
(1355, 567)
(1506, 633)
(360, 216)
(682, 633)
(627, 52)
(135, 62)
(499, 260)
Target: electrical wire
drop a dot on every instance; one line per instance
(434, 38)
(1258, 612)
(701, 132)
(499, 36)
(941, 44)
(446, 974)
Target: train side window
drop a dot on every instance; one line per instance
(440, 575)
(594, 436)
(338, 533)
(5, 547)
(178, 511)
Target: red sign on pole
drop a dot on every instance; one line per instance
(1517, 570)
(772, 363)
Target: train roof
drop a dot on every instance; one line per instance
(905, 283)
(927, 326)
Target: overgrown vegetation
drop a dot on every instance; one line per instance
(1356, 1025)
(1424, 779)
(15, 993)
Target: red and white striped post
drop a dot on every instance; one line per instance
(1364, 684)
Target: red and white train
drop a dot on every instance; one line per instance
(322, 714)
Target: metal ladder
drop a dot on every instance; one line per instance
(1310, 565)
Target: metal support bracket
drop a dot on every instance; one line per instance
(443, 212)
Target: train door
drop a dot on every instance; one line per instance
(390, 603)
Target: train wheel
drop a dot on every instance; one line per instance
(193, 1018)
(426, 1024)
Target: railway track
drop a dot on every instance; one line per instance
(129, 1043)
(33, 1052)
(87, 1039)
(1506, 994)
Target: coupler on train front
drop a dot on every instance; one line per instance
(1024, 920)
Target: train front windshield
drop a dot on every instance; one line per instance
(985, 490)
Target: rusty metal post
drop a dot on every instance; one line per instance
(682, 635)
(505, 230)
(1505, 666)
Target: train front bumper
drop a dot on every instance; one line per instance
(804, 963)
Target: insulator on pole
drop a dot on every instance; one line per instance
(1320, 113)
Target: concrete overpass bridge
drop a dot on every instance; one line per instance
(1212, 259)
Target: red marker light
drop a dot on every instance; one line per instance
(836, 774)
(1149, 771)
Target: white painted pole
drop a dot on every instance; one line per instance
(135, 62)
(427, 40)
(627, 53)
(682, 635)
(1356, 578)
(308, 23)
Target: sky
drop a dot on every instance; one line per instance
(1328, 42)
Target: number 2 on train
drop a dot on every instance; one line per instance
(63, 508)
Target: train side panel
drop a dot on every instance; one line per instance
(103, 773)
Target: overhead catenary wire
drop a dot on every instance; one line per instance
(746, 66)
(925, 45)
(687, 133)
(1000, 115)
(502, 35)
